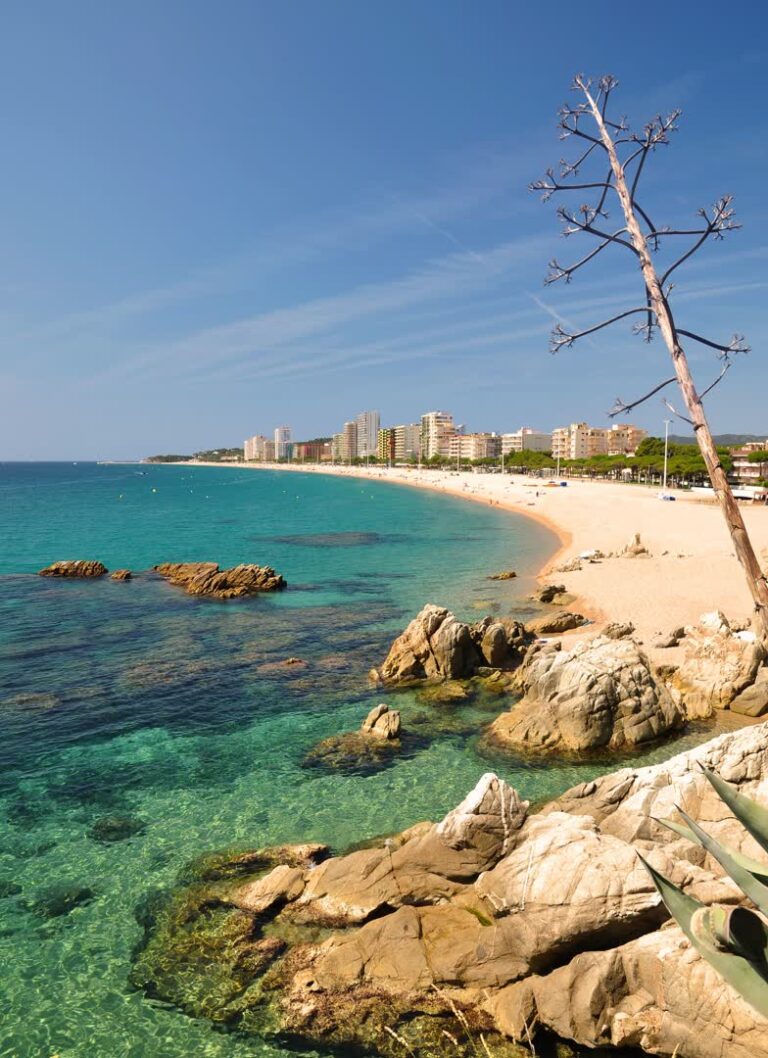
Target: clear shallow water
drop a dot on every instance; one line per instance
(136, 700)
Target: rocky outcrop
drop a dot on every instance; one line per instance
(506, 574)
(754, 700)
(601, 693)
(437, 646)
(206, 578)
(74, 568)
(382, 722)
(718, 664)
(548, 592)
(655, 993)
(373, 745)
(121, 574)
(556, 623)
(461, 924)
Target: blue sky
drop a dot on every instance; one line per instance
(220, 217)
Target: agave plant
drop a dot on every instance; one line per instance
(734, 940)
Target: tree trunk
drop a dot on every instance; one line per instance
(756, 579)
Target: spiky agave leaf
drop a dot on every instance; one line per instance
(722, 939)
(759, 870)
(746, 881)
(752, 816)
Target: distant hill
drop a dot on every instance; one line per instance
(723, 440)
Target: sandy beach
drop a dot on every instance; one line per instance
(691, 567)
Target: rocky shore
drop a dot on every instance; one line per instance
(495, 921)
(498, 923)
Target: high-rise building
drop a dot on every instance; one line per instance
(436, 431)
(385, 450)
(349, 442)
(367, 423)
(283, 442)
(337, 447)
(255, 449)
(526, 440)
(407, 442)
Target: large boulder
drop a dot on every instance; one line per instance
(429, 868)
(718, 664)
(627, 803)
(205, 578)
(601, 693)
(655, 993)
(74, 568)
(437, 646)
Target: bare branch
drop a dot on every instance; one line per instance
(620, 407)
(586, 225)
(562, 338)
(719, 378)
(677, 414)
(722, 221)
(558, 272)
(737, 344)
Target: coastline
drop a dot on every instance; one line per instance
(690, 569)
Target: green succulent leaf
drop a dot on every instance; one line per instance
(727, 942)
(746, 881)
(752, 816)
(759, 870)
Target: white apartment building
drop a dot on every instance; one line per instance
(367, 424)
(258, 449)
(436, 431)
(471, 446)
(746, 471)
(526, 440)
(407, 442)
(283, 442)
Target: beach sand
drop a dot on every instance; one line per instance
(691, 568)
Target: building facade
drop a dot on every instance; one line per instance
(312, 451)
(582, 441)
(746, 470)
(407, 442)
(623, 438)
(471, 446)
(437, 429)
(367, 424)
(385, 449)
(348, 442)
(253, 449)
(526, 440)
(283, 442)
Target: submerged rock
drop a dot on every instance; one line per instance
(207, 579)
(121, 574)
(108, 829)
(60, 900)
(506, 574)
(437, 646)
(374, 745)
(74, 568)
(601, 693)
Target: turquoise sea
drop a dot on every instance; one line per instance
(133, 700)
